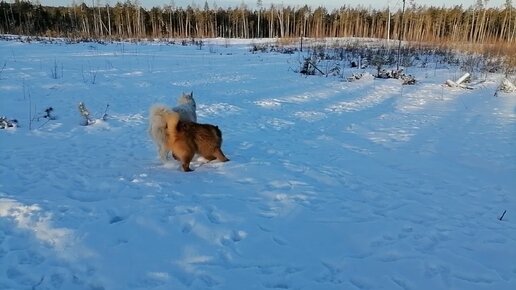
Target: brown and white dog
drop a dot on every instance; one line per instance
(185, 138)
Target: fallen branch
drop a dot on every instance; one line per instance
(463, 78)
(86, 114)
(105, 115)
(8, 123)
(458, 83)
(316, 68)
(396, 74)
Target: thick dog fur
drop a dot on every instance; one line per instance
(185, 139)
(186, 109)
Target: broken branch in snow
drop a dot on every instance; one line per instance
(458, 83)
(105, 115)
(354, 77)
(308, 68)
(317, 68)
(463, 78)
(396, 74)
(86, 114)
(8, 123)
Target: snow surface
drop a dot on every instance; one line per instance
(331, 184)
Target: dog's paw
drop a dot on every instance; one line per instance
(186, 168)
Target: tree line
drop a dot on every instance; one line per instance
(475, 24)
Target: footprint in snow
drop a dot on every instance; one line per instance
(280, 241)
(237, 236)
(188, 226)
(115, 219)
(213, 217)
(232, 238)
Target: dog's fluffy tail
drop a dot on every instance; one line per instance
(162, 122)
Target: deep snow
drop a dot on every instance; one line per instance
(331, 184)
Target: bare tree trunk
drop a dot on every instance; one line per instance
(101, 23)
(280, 21)
(109, 20)
(400, 36)
(472, 30)
(271, 22)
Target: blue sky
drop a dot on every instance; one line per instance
(329, 4)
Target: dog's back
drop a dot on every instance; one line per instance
(205, 136)
(191, 138)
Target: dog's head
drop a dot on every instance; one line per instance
(187, 99)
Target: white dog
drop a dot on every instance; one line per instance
(186, 108)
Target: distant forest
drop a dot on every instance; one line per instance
(475, 24)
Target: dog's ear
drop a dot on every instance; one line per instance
(191, 94)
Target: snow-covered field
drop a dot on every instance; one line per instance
(331, 184)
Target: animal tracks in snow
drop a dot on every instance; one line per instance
(217, 109)
(33, 242)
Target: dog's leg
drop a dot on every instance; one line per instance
(185, 156)
(185, 162)
(219, 155)
(186, 167)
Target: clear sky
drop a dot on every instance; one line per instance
(329, 4)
